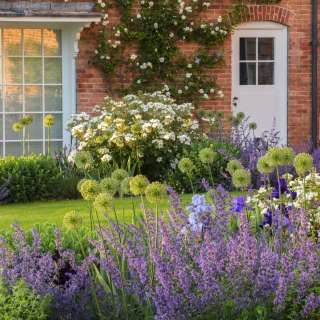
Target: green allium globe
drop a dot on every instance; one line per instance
(119, 175)
(186, 166)
(26, 120)
(17, 127)
(207, 156)
(252, 126)
(275, 156)
(103, 202)
(155, 192)
(287, 156)
(138, 185)
(264, 166)
(83, 160)
(241, 178)
(89, 189)
(125, 186)
(72, 220)
(303, 163)
(233, 165)
(48, 120)
(110, 185)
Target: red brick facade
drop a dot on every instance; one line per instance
(296, 14)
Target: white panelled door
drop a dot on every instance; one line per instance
(260, 75)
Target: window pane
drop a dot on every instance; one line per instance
(52, 71)
(35, 130)
(55, 147)
(247, 73)
(1, 99)
(13, 70)
(14, 149)
(1, 129)
(34, 147)
(33, 70)
(32, 42)
(266, 49)
(247, 48)
(53, 96)
(56, 130)
(10, 120)
(266, 73)
(52, 42)
(13, 98)
(12, 39)
(33, 98)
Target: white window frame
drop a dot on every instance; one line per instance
(71, 28)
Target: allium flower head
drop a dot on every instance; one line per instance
(89, 189)
(233, 165)
(274, 156)
(138, 185)
(119, 175)
(287, 156)
(264, 166)
(103, 202)
(241, 178)
(303, 162)
(48, 120)
(186, 166)
(26, 120)
(110, 185)
(17, 127)
(252, 126)
(125, 186)
(72, 220)
(207, 156)
(80, 183)
(155, 192)
(83, 160)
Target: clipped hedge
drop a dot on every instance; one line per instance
(31, 178)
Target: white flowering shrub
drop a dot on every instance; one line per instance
(149, 130)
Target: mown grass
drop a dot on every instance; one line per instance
(29, 214)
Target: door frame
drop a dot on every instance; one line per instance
(283, 86)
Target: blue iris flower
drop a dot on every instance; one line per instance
(238, 204)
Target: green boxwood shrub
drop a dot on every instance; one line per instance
(33, 178)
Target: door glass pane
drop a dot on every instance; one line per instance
(12, 39)
(247, 48)
(32, 42)
(52, 42)
(33, 98)
(1, 128)
(266, 49)
(247, 73)
(52, 70)
(32, 70)
(13, 70)
(13, 98)
(53, 96)
(10, 120)
(266, 73)
(1, 99)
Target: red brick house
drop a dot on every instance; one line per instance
(270, 67)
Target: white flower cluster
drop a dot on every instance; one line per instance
(151, 123)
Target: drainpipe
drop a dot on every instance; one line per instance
(314, 107)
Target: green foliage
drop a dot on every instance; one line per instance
(20, 303)
(31, 178)
(223, 151)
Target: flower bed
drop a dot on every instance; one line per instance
(223, 257)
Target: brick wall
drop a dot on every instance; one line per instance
(296, 14)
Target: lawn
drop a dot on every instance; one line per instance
(29, 214)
